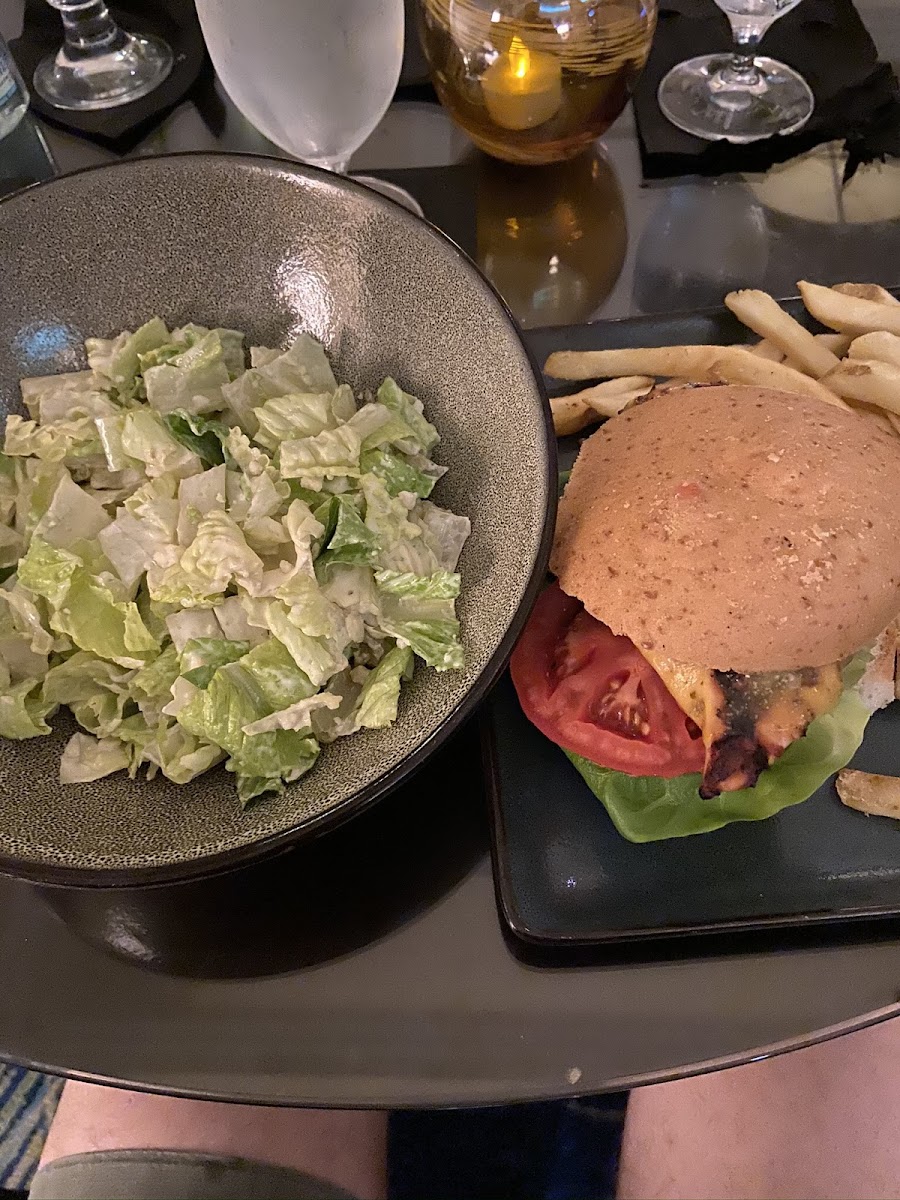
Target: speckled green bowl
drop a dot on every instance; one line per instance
(272, 249)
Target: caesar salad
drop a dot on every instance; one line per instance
(212, 562)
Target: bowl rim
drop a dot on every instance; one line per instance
(55, 875)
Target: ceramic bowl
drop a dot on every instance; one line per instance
(272, 249)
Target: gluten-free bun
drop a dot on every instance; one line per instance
(736, 528)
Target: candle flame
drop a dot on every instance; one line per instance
(520, 57)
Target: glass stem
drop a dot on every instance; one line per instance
(89, 29)
(742, 70)
(338, 165)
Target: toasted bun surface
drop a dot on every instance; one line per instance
(736, 528)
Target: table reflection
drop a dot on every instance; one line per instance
(703, 241)
(316, 902)
(551, 239)
(829, 231)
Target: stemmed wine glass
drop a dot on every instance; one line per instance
(741, 97)
(99, 65)
(315, 76)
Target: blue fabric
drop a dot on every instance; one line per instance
(27, 1103)
(565, 1150)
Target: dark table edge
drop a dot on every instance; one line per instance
(412, 1096)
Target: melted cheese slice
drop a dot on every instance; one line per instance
(752, 717)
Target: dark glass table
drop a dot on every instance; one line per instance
(371, 968)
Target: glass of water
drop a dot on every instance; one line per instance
(99, 65)
(315, 76)
(740, 97)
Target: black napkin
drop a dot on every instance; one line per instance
(857, 97)
(119, 129)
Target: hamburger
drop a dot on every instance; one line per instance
(727, 565)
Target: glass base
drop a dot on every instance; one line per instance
(707, 97)
(133, 68)
(393, 191)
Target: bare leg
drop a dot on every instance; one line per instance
(345, 1148)
(818, 1124)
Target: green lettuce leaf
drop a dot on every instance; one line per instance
(117, 361)
(442, 585)
(379, 426)
(25, 618)
(298, 415)
(197, 496)
(48, 571)
(146, 438)
(64, 441)
(400, 473)
(232, 701)
(435, 640)
(36, 484)
(218, 555)
(648, 809)
(144, 529)
(332, 454)
(178, 754)
(71, 516)
(316, 656)
(401, 543)
(192, 381)
(350, 540)
(84, 608)
(202, 657)
(8, 489)
(87, 758)
(64, 391)
(303, 368)
(444, 532)
(187, 336)
(297, 716)
(205, 436)
(154, 682)
(380, 693)
(23, 711)
(277, 676)
(411, 411)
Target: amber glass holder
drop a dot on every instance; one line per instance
(533, 82)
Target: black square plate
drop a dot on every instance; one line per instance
(566, 877)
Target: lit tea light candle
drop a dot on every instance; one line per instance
(522, 88)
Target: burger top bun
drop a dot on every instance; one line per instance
(736, 528)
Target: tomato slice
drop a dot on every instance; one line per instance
(593, 692)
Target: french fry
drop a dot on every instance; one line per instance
(759, 312)
(608, 399)
(873, 413)
(848, 314)
(880, 346)
(837, 343)
(576, 411)
(871, 382)
(877, 795)
(895, 422)
(734, 365)
(690, 362)
(866, 291)
(766, 349)
(570, 415)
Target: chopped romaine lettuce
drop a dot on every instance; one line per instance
(87, 758)
(208, 562)
(381, 691)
